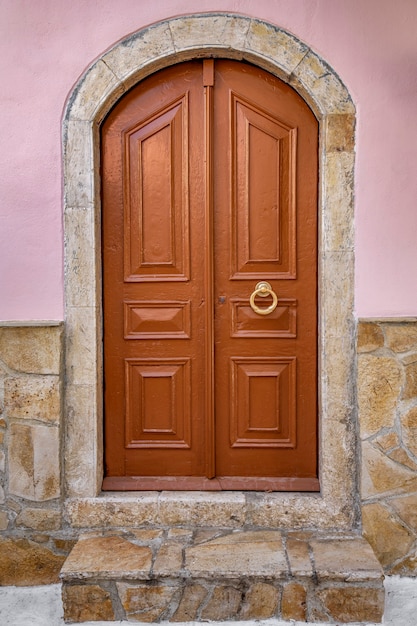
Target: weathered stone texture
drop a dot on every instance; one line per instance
(401, 338)
(24, 562)
(340, 133)
(31, 349)
(232, 588)
(344, 559)
(143, 603)
(410, 387)
(370, 337)
(4, 520)
(107, 557)
(299, 557)
(168, 560)
(39, 519)
(294, 602)
(387, 383)
(409, 430)
(192, 598)
(33, 398)
(379, 384)
(381, 475)
(223, 605)
(258, 552)
(355, 604)
(261, 602)
(34, 462)
(86, 603)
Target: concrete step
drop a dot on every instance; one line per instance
(177, 575)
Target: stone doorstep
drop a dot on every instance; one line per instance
(153, 575)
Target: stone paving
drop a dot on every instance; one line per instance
(182, 575)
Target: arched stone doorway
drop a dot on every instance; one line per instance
(129, 61)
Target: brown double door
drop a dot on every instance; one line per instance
(209, 187)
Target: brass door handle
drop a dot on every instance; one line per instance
(264, 289)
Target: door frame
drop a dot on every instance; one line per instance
(106, 80)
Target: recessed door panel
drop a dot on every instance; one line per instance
(210, 282)
(156, 213)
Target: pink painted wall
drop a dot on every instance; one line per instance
(46, 45)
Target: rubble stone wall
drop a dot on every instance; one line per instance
(387, 396)
(36, 536)
(33, 543)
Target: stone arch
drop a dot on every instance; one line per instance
(125, 64)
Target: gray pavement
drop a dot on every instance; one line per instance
(41, 606)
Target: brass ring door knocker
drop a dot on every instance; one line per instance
(264, 289)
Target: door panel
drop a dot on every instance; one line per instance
(210, 186)
(154, 325)
(266, 177)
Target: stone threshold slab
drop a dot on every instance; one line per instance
(218, 509)
(180, 574)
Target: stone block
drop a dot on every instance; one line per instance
(294, 602)
(144, 603)
(114, 511)
(410, 387)
(4, 520)
(39, 519)
(32, 349)
(381, 475)
(222, 510)
(317, 83)
(81, 438)
(409, 425)
(209, 31)
(107, 557)
(223, 605)
(389, 539)
(258, 553)
(354, 604)
(79, 256)
(406, 508)
(36, 397)
(401, 338)
(338, 200)
(79, 184)
(400, 456)
(80, 337)
(34, 462)
(148, 534)
(337, 278)
(370, 337)
(192, 598)
(388, 441)
(406, 567)
(98, 88)
(168, 561)
(264, 39)
(345, 560)
(24, 562)
(340, 133)
(379, 386)
(2, 461)
(126, 59)
(83, 603)
(261, 601)
(299, 557)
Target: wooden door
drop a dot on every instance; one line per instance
(209, 175)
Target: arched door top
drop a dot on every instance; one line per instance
(107, 79)
(204, 35)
